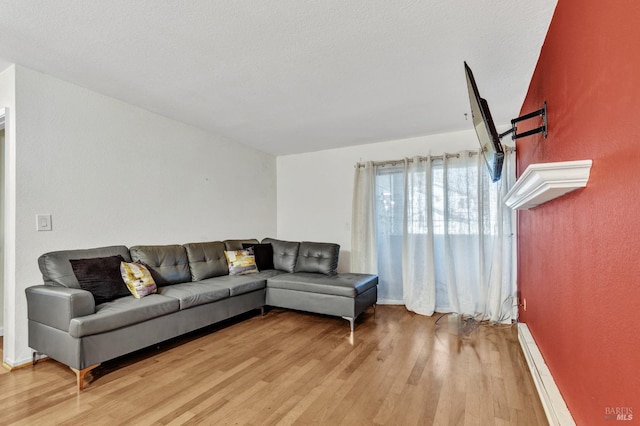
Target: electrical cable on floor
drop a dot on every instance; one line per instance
(467, 325)
(441, 316)
(470, 323)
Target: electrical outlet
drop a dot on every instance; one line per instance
(522, 303)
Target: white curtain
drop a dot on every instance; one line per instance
(363, 239)
(438, 233)
(418, 248)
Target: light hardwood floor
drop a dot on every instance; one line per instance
(289, 367)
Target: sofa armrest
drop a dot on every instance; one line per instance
(55, 306)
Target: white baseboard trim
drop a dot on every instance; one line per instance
(2, 331)
(389, 302)
(21, 362)
(552, 401)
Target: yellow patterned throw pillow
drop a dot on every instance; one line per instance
(241, 262)
(138, 279)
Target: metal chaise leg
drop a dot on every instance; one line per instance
(351, 322)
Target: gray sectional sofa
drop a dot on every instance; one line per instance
(194, 290)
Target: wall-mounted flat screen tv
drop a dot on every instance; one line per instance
(485, 128)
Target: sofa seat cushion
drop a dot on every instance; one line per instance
(240, 284)
(345, 284)
(195, 293)
(122, 312)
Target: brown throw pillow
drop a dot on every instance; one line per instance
(101, 276)
(263, 254)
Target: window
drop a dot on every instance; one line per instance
(440, 224)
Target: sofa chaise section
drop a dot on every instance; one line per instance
(345, 295)
(312, 283)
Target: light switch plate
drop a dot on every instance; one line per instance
(43, 222)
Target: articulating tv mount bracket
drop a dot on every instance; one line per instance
(542, 129)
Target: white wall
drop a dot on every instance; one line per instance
(8, 104)
(112, 173)
(315, 189)
(2, 137)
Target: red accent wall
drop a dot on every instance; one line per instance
(579, 255)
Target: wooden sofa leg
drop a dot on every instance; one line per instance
(80, 375)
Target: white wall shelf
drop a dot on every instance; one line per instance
(543, 182)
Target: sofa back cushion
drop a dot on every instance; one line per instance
(285, 254)
(206, 260)
(232, 245)
(321, 258)
(56, 268)
(167, 264)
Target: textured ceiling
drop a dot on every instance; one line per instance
(288, 76)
